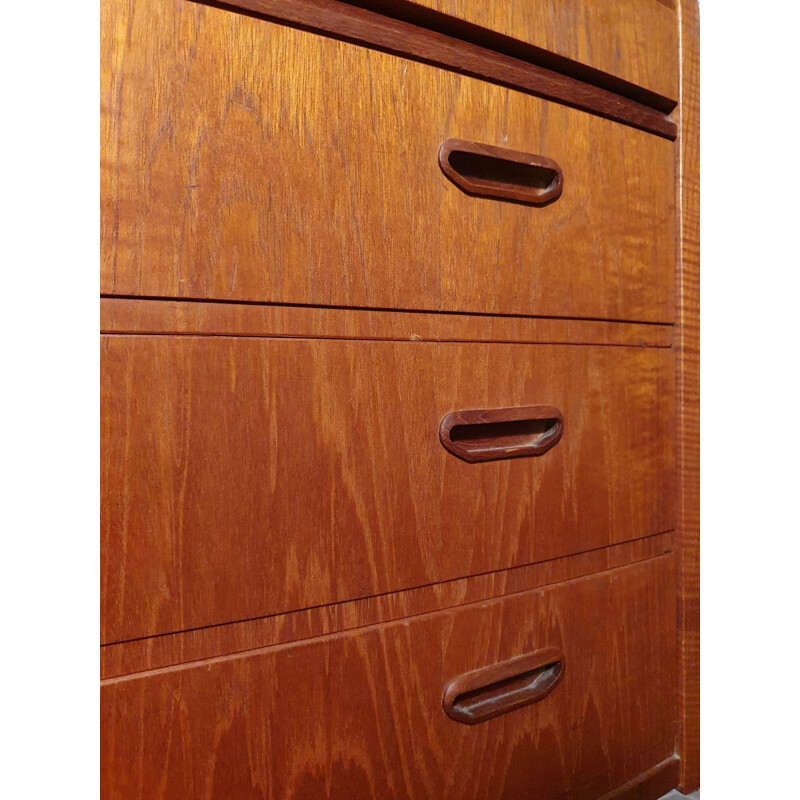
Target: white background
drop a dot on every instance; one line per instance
(49, 554)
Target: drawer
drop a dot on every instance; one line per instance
(360, 715)
(635, 40)
(243, 477)
(245, 160)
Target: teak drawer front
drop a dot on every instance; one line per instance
(245, 160)
(636, 40)
(245, 477)
(359, 715)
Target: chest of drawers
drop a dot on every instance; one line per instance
(398, 399)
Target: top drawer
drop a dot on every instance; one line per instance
(244, 160)
(635, 40)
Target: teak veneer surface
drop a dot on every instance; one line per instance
(636, 40)
(293, 567)
(124, 315)
(359, 715)
(687, 348)
(246, 160)
(243, 477)
(156, 652)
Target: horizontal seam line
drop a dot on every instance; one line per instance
(379, 309)
(422, 340)
(395, 620)
(385, 594)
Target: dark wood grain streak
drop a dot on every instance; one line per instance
(603, 40)
(687, 348)
(359, 715)
(362, 26)
(244, 477)
(205, 643)
(118, 315)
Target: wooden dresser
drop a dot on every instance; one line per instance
(399, 385)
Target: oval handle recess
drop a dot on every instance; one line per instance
(489, 692)
(494, 433)
(486, 171)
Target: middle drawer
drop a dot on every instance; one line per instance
(246, 477)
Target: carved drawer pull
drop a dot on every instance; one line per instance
(489, 692)
(494, 433)
(487, 171)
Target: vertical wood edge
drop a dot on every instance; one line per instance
(687, 347)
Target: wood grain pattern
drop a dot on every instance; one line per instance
(120, 315)
(687, 348)
(243, 477)
(635, 40)
(508, 63)
(359, 715)
(244, 160)
(204, 643)
(276, 506)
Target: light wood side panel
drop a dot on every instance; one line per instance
(244, 477)
(119, 315)
(359, 715)
(687, 345)
(245, 160)
(203, 643)
(636, 40)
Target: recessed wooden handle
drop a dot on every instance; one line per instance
(487, 171)
(493, 433)
(489, 692)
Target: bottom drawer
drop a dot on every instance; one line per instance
(360, 714)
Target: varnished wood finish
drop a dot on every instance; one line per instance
(489, 434)
(298, 580)
(359, 715)
(244, 160)
(243, 477)
(483, 694)
(118, 315)
(514, 66)
(205, 643)
(687, 348)
(500, 173)
(635, 40)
